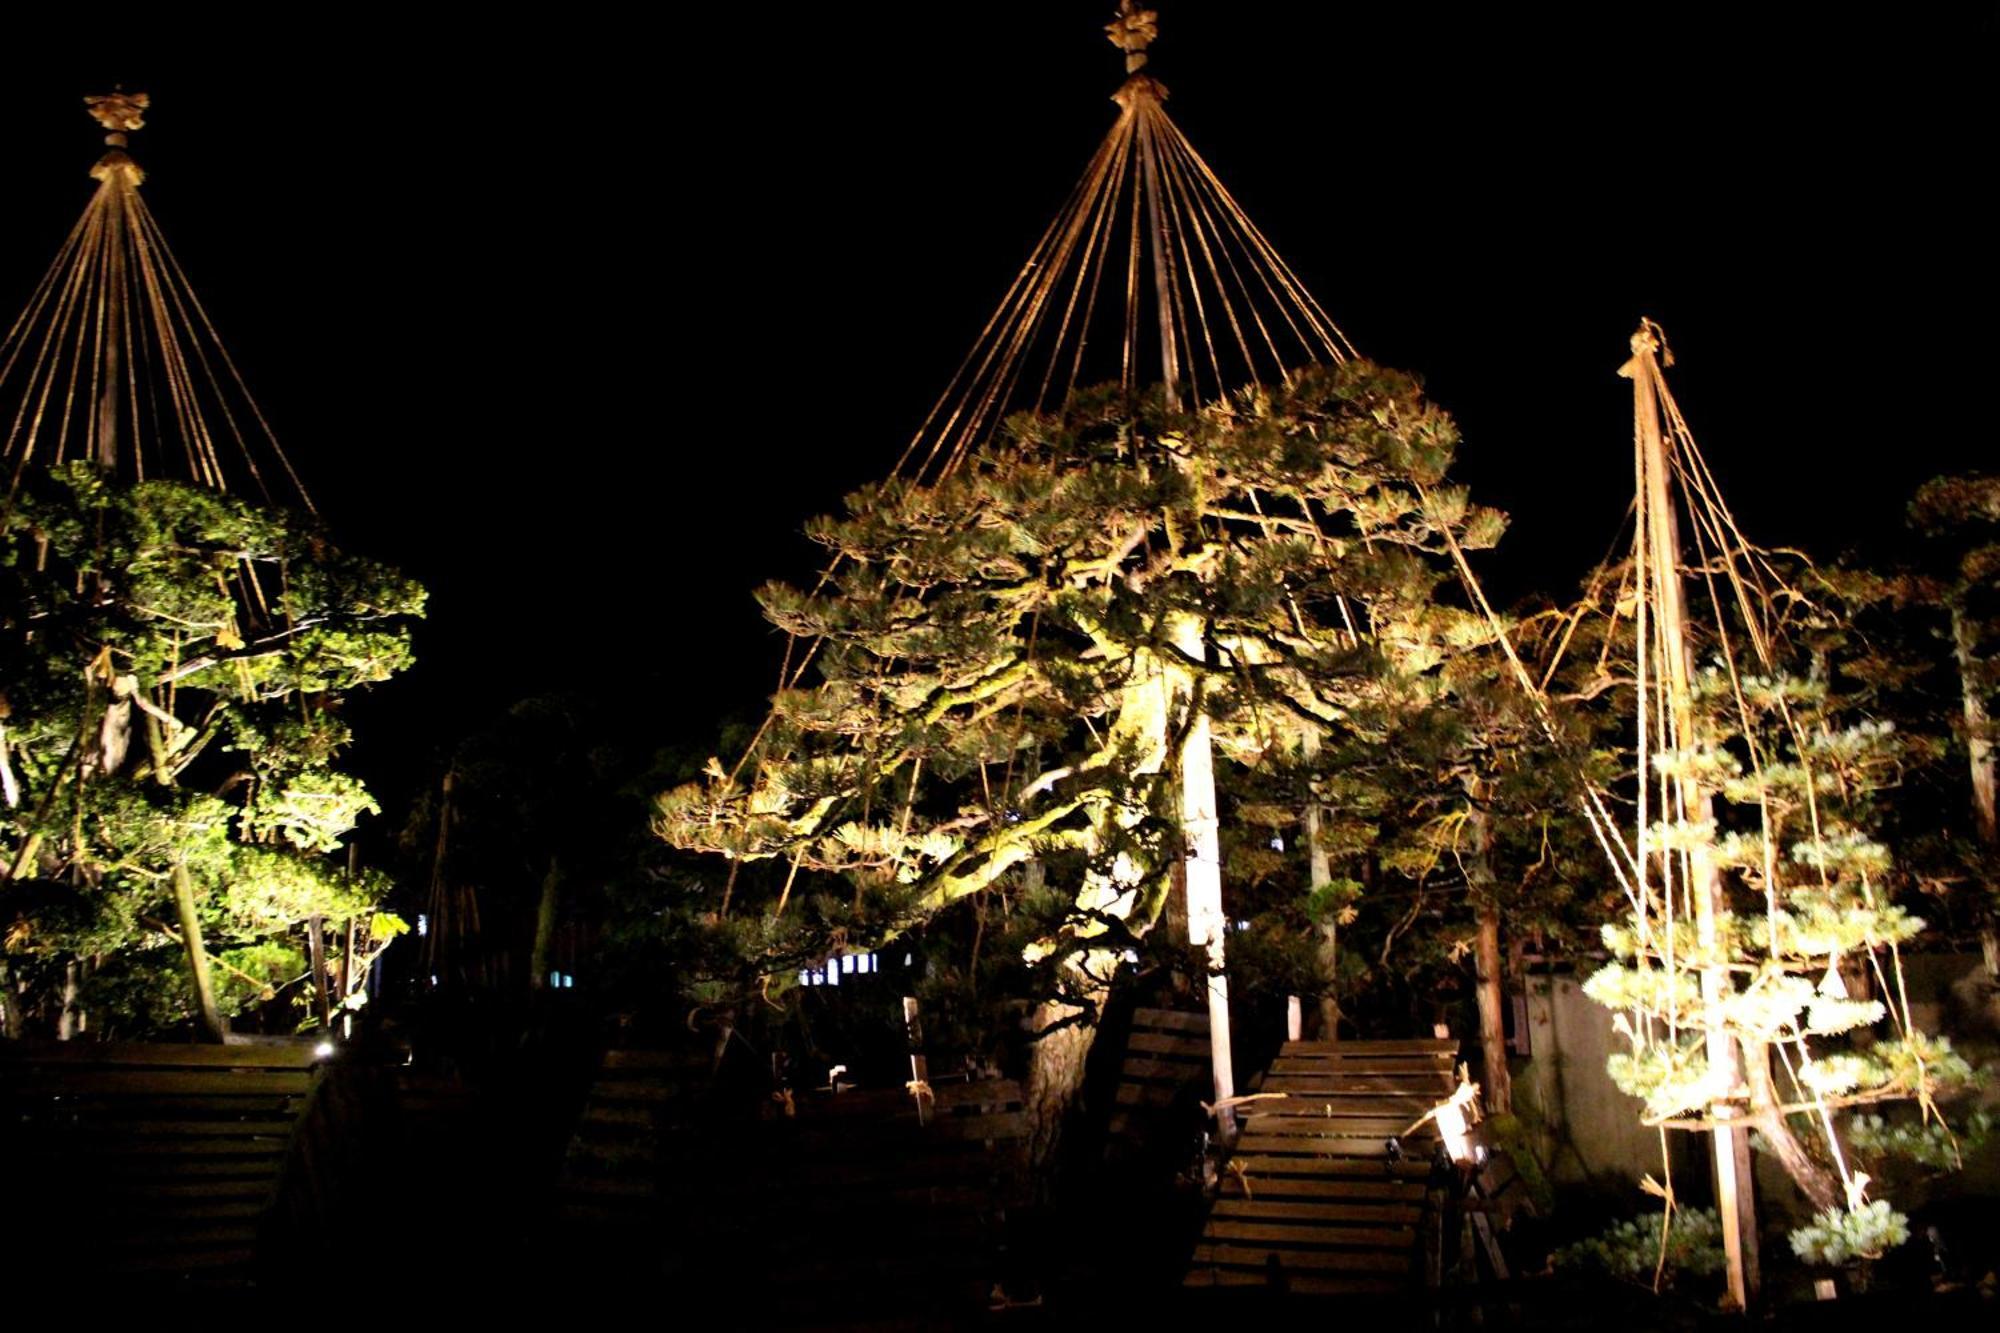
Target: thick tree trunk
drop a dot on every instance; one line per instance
(1329, 963)
(207, 1013)
(545, 928)
(1492, 1010)
(1055, 1078)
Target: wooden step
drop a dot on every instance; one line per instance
(1312, 1234)
(1404, 1108)
(1430, 1046)
(1223, 1255)
(1380, 1129)
(1296, 1284)
(1269, 1185)
(1391, 1214)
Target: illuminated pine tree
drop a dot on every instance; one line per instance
(1008, 659)
(1800, 772)
(173, 663)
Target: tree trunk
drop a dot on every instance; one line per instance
(1488, 976)
(1055, 1078)
(545, 928)
(1492, 1010)
(13, 1024)
(1319, 872)
(1817, 1182)
(208, 1015)
(70, 1021)
(1980, 751)
(316, 961)
(1329, 963)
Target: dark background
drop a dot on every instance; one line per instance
(579, 315)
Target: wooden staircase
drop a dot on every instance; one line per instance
(1311, 1200)
(611, 1176)
(856, 1209)
(1166, 1065)
(148, 1162)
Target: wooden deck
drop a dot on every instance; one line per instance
(150, 1162)
(1311, 1201)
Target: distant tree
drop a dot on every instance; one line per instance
(1008, 660)
(535, 814)
(1441, 812)
(1961, 518)
(173, 663)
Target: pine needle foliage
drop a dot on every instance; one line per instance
(1007, 660)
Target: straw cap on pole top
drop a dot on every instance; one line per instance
(1132, 32)
(119, 112)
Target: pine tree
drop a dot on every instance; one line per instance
(1799, 768)
(174, 659)
(1008, 659)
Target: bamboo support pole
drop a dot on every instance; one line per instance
(1658, 541)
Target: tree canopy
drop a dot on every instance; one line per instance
(1007, 659)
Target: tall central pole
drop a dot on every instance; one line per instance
(1132, 32)
(1156, 228)
(1657, 546)
(1203, 865)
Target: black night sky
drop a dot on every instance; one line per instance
(578, 319)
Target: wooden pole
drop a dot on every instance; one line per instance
(920, 1064)
(1658, 547)
(1156, 226)
(1203, 863)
